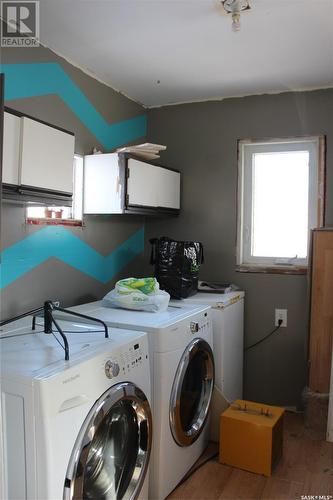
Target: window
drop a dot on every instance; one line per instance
(57, 213)
(280, 198)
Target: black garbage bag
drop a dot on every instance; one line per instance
(177, 265)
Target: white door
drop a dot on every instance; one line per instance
(143, 184)
(152, 186)
(169, 193)
(47, 157)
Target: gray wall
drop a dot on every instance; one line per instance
(54, 279)
(201, 140)
(112, 105)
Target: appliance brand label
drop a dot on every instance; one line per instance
(71, 379)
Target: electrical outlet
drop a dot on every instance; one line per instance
(281, 314)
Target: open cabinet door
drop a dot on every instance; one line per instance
(2, 80)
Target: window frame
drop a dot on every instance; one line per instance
(316, 188)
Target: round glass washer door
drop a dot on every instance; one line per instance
(111, 453)
(191, 392)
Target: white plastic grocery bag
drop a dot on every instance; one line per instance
(138, 294)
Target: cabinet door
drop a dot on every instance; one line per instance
(103, 189)
(143, 184)
(11, 149)
(47, 157)
(169, 190)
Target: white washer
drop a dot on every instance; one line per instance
(79, 428)
(228, 339)
(182, 374)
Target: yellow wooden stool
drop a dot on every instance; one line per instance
(251, 436)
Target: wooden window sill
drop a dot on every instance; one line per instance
(300, 270)
(53, 222)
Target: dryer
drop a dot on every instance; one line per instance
(182, 375)
(80, 428)
(228, 339)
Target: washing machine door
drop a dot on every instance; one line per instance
(192, 392)
(111, 453)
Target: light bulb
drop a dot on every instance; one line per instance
(236, 21)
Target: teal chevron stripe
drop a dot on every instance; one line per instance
(62, 244)
(36, 79)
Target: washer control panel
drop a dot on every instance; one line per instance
(111, 368)
(201, 324)
(194, 326)
(125, 361)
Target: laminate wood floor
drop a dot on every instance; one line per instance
(305, 472)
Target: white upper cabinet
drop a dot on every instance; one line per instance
(47, 156)
(11, 149)
(169, 196)
(115, 183)
(142, 184)
(152, 186)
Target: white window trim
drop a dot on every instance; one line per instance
(246, 262)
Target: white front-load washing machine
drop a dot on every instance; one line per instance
(182, 375)
(80, 428)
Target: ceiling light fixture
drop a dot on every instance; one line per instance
(235, 7)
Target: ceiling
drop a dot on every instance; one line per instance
(169, 51)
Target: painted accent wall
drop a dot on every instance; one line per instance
(202, 143)
(70, 264)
